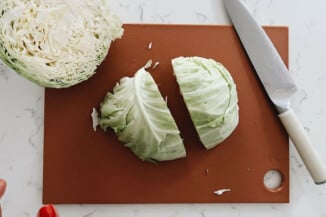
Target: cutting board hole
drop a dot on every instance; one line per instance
(273, 180)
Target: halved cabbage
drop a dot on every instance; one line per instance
(210, 96)
(140, 117)
(56, 43)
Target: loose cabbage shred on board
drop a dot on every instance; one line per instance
(56, 43)
(210, 95)
(138, 114)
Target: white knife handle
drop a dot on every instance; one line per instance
(300, 139)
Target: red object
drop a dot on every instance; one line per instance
(47, 211)
(3, 185)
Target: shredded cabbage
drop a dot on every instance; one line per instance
(56, 43)
(138, 114)
(210, 96)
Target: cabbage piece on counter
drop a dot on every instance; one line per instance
(56, 43)
(140, 117)
(210, 96)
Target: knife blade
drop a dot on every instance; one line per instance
(277, 82)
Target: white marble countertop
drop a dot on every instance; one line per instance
(21, 116)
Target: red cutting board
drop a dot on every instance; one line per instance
(83, 166)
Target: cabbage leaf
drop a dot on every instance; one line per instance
(140, 117)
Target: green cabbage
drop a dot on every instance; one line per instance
(210, 96)
(56, 43)
(140, 117)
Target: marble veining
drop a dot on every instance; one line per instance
(4, 74)
(201, 18)
(21, 116)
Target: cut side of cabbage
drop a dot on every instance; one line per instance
(138, 114)
(56, 43)
(210, 95)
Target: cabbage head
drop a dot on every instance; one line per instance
(138, 114)
(210, 95)
(56, 43)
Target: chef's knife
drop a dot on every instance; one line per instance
(277, 82)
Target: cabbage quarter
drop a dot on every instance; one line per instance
(210, 95)
(138, 114)
(56, 43)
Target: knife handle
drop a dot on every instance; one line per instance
(303, 144)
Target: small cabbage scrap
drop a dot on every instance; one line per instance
(56, 43)
(210, 96)
(140, 117)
